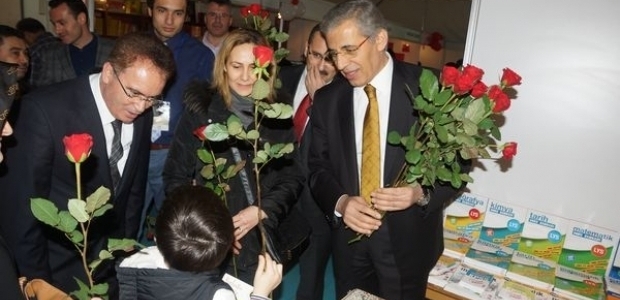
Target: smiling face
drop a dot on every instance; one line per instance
(239, 67)
(15, 51)
(359, 57)
(141, 78)
(70, 29)
(168, 17)
(316, 57)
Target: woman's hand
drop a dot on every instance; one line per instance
(267, 277)
(244, 221)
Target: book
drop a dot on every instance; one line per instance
(241, 289)
(358, 294)
(588, 248)
(538, 251)
(512, 290)
(576, 284)
(443, 270)
(462, 223)
(612, 278)
(499, 237)
(472, 283)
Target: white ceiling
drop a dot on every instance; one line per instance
(448, 17)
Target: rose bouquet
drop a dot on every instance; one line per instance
(456, 121)
(254, 16)
(75, 222)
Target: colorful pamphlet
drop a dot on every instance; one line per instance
(462, 223)
(576, 284)
(443, 270)
(588, 248)
(472, 283)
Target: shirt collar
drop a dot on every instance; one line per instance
(104, 112)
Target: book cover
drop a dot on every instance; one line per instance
(574, 283)
(443, 270)
(538, 250)
(499, 237)
(462, 223)
(472, 283)
(512, 290)
(588, 248)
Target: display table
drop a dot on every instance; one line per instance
(434, 292)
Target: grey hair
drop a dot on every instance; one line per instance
(363, 12)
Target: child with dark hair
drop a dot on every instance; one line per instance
(194, 233)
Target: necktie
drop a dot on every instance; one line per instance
(371, 147)
(116, 153)
(301, 116)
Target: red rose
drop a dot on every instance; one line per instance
(264, 14)
(78, 146)
(478, 90)
(501, 100)
(200, 132)
(294, 2)
(463, 84)
(263, 55)
(255, 9)
(473, 72)
(245, 11)
(510, 78)
(509, 150)
(449, 75)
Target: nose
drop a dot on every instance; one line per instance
(246, 74)
(7, 129)
(168, 18)
(23, 59)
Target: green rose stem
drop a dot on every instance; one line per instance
(82, 251)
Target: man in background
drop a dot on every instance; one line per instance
(193, 61)
(39, 41)
(218, 20)
(14, 50)
(114, 108)
(83, 53)
(351, 164)
(302, 82)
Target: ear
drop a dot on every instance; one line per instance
(107, 72)
(81, 18)
(150, 11)
(381, 40)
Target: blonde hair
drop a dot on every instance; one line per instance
(235, 38)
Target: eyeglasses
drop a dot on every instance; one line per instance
(318, 56)
(347, 51)
(214, 15)
(150, 100)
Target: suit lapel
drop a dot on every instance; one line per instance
(347, 132)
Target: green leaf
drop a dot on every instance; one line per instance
(288, 148)
(413, 156)
(94, 264)
(100, 289)
(205, 156)
(220, 164)
(281, 53)
(207, 172)
(442, 134)
(100, 211)
(486, 124)
(464, 139)
(443, 173)
(216, 132)
(105, 254)
(456, 181)
(83, 290)
(465, 177)
(281, 37)
(393, 138)
(233, 169)
(253, 134)
(428, 84)
(470, 127)
(442, 97)
(419, 103)
(77, 208)
(273, 112)
(67, 223)
(260, 90)
(496, 133)
(265, 24)
(286, 111)
(45, 211)
(122, 244)
(475, 111)
(76, 236)
(97, 199)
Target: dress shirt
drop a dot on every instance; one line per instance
(215, 49)
(106, 121)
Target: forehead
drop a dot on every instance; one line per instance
(171, 4)
(61, 11)
(344, 34)
(13, 43)
(242, 54)
(212, 6)
(143, 76)
(317, 42)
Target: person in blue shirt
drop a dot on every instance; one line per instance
(194, 61)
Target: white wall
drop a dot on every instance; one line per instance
(565, 118)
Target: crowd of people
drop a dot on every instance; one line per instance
(143, 95)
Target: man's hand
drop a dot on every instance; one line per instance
(396, 198)
(358, 216)
(314, 81)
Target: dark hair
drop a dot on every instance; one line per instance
(30, 25)
(315, 29)
(8, 31)
(221, 2)
(141, 45)
(363, 12)
(76, 7)
(150, 3)
(194, 230)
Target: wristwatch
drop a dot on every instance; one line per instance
(426, 198)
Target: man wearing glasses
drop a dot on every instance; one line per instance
(114, 107)
(350, 162)
(218, 21)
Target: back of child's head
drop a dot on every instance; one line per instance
(194, 230)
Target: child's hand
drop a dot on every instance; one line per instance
(268, 276)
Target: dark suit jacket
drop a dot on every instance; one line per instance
(415, 233)
(37, 167)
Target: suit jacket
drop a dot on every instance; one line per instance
(415, 233)
(56, 63)
(37, 167)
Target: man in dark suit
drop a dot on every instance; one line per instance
(396, 254)
(130, 82)
(302, 82)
